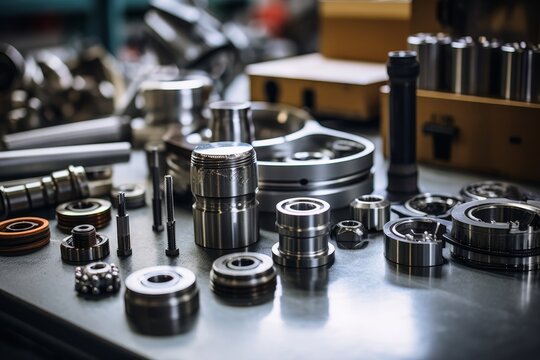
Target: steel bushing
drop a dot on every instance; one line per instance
(371, 210)
(224, 184)
(135, 195)
(96, 212)
(23, 235)
(303, 225)
(497, 233)
(415, 241)
(431, 205)
(489, 190)
(350, 234)
(97, 278)
(244, 278)
(161, 300)
(84, 245)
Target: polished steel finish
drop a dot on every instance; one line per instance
(350, 234)
(134, 195)
(97, 278)
(373, 211)
(514, 71)
(489, 64)
(497, 233)
(171, 250)
(31, 162)
(464, 66)
(244, 278)
(122, 228)
(533, 75)
(303, 225)
(427, 51)
(491, 189)
(84, 245)
(157, 226)
(431, 205)
(415, 241)
(96, 212)
(104, 130)
(224, 184)
(60, 186)
(231, 121)
(161, 300)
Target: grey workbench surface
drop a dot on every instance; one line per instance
(361, 307)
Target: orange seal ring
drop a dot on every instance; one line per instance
(23, 235)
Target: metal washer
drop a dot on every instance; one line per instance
(96, 212)
(23, 235)
(135, 195)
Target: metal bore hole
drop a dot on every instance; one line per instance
(159, 279)
(82, 206)
(21, 226)
(303, 206)
(242, 262)
(98, 266)
(370, 198)
(350, 223)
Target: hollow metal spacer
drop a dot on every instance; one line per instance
(371, 210)
(84, 245)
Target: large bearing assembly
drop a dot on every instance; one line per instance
(23, 235)
(98, 278)
(431, 205)
(415, 241)
(96, 212)
(161, 300)
(84, 245)
(224, 184)
(373, 211)
(497, 233)
(303, 225)
(244, 278)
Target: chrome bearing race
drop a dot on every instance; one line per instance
(431, 205)
(497, 234)
(23, 235)
(244, 278)
(96, 212)
(97, 278)
(415, 241)
(161, 300)
(303, 225)
(373, 211)
(135, 195)
(491, 189)
(84, 245)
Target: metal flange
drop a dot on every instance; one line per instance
(431, 205)
(84, 245)
(96, 212)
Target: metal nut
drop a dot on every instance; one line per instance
(350, 234)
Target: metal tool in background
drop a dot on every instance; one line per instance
(231, 121)
(426, 204)
(403, 69)
(464, 65)
(434, 55)
(31, 162)
(224, 185)
(489, 67)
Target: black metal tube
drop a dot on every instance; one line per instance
(156, 195)
(403, 69)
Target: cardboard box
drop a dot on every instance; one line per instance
(325, 87)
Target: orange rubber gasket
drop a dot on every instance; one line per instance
(43, 224)
(24, 242)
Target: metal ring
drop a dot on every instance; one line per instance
(23, 235)
(161, 300)
(371, 210)
(96, 212)
(244, 278)
(135, 195)
(431, 205)
(497, 233)
(491, 189)
(415, 241)
(84, 245)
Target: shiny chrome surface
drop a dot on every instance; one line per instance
(427, 51)
(491, 189)
(431, 205)
(373, 211)
(464, 66)
(231, 121)
(514, 71)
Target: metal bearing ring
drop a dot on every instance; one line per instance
(303, 225)
(97, 278)
(23, 235)
(491, 189)
(415, 241)
(135, 195)
(431, 205)
(371, 210)
(244, 278)
(84, 245)
(497, 233)
(161, 300)
(92, 211)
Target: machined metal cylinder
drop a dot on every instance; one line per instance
(84, 245)
(232, 121)
(373, 211)
(464, 66)
(224, 183)
(488, 67)
(161, 300)
(427, 52)
(303, 225)
(514, 71)
(533, 78)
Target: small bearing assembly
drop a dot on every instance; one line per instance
(135, 195)
(161, 300)
(350, 234)
(373, 211)
(96, 212)
(491, 189)
(431, 205)
(84, 245)
(23, 235)
(303, 225)
(244, 278)
(97, 278)
(497, 234)
(415, 241)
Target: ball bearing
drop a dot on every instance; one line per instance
(161, 300)
(23, 235)
(244, 278)
(84, 245)
(97, 278)
(371, 210)
(96, 212)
